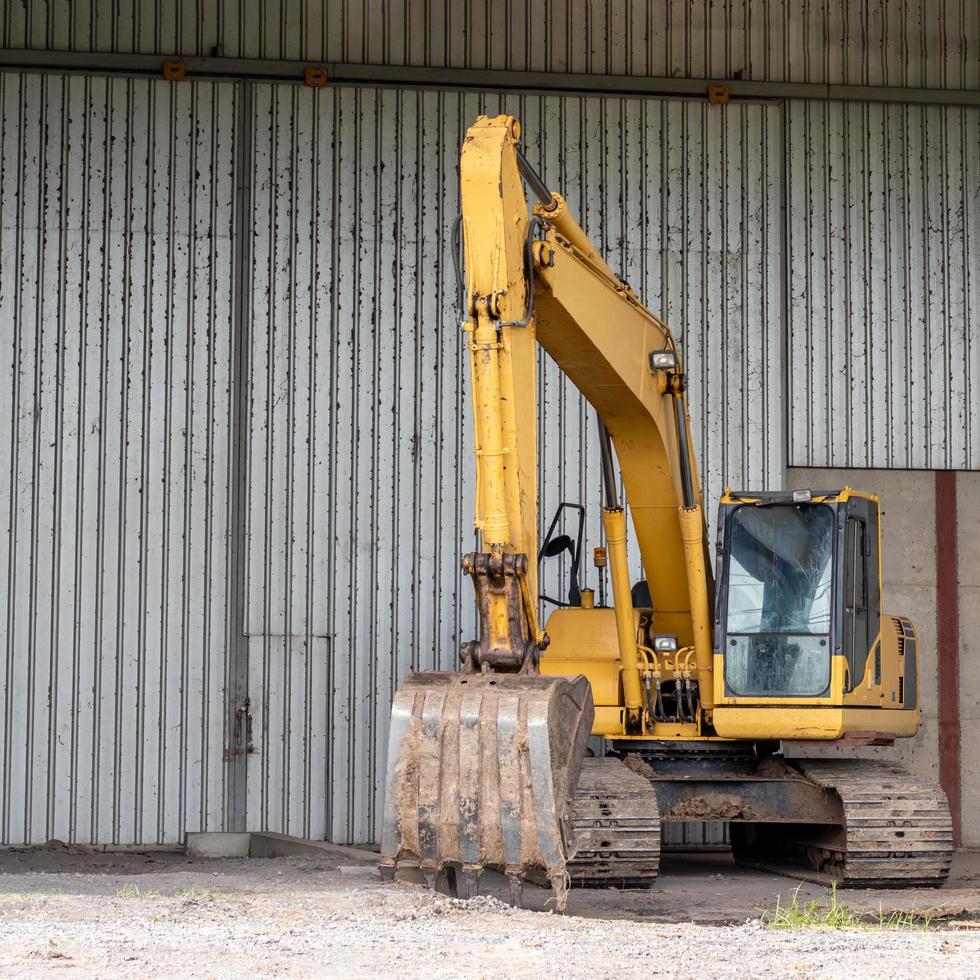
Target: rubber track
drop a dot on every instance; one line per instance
(616, 827)
(898, 830)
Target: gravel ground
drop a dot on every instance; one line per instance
(167, 915)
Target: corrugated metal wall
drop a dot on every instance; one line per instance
(115, 338)
(884, 350)
(897, 42)
(123, 625)
(360, 483)
(833, 41)
(235, 458)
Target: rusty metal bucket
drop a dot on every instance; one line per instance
(481, 772)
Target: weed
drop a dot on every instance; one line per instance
(205, 895)
(186, 894)
(837, 915)
(902, 920)
(169, 917)
(134, 891)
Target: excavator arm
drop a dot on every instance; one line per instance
(626, 363)
(500, 339)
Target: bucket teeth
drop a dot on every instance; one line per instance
(516, 881)
(559, 890)
(471, 882)
(481, 771)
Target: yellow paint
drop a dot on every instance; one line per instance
(692, 534)
(614, 523)
(589, 634)
(601, 337)
(729, 497)
(609, 722)
(802, 722)
(503, 362)
(674, 731)
(586, 641)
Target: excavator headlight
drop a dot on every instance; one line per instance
(801, 496)
(663, 360)
(665, 643)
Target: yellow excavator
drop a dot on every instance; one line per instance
(706, 691)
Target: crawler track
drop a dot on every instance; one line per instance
(896, 830)
(616, 826)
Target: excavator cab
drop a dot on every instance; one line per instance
(798, 622)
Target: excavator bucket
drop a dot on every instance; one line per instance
(482, 768)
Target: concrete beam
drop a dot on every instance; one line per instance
(217, 845)
(269, 845)
(263, 844)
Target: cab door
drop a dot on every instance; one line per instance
(860, 600)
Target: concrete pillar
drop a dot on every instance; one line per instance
(968, 574)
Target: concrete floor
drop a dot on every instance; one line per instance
(166, 914)
(710, 889)
(706, 888)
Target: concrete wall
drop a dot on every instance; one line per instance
(908, 522)
(968, 542)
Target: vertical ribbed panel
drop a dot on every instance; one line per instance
(360, 472)
(115, 337)
(122, 606)
(838, 41)
(908, 43)
(355, 514)
(721, 259)
(710, 835)
(884, 219)
(359, 480)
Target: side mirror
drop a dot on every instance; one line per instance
(558, 544)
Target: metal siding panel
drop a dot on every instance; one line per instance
(117, 327)
(393, 409)
(723, 285)
(365, 341)
(872, 388)
(971, 246)
(838, 42)
(12, 149)
(287, 468)
(712, 835)
(883, 217)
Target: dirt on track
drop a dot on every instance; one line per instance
(329, 915)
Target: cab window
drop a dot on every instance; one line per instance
(779, 595)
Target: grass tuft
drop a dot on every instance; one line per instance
(134, 891)
(187, 894)
(836, 915)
